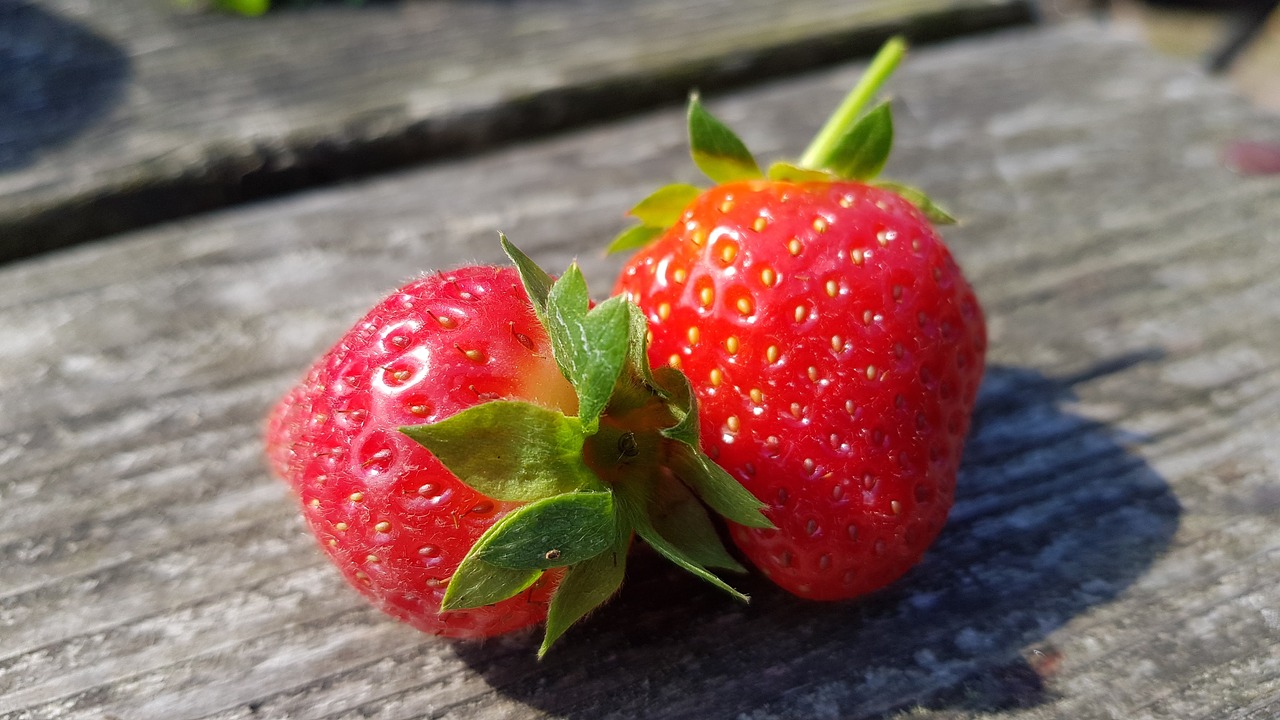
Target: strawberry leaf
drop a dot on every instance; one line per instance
(684, 403)
(567, 304)
(861, 152)
(635, 496)
(682, 520)
(609, 327)
(923, 203)
(716, 150)
(713, 485)
(537, 283)
(510, 450)
(794, 173)
(717, 488)
(585, 586)
(591, 347)
(633, 238)
(663, 208)
(636, 386)
(638, 355)
(477, 583)
(552, 532)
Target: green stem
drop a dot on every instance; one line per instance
(817, 155)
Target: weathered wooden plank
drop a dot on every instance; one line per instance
(1115, 547)
(117, 113)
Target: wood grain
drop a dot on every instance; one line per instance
(118, 113)
(1115, 547)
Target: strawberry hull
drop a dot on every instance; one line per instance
(836, 351)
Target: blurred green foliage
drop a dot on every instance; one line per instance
(244, 7)
(258, 7)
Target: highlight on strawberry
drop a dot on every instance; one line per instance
(834, 347)
(477, 454)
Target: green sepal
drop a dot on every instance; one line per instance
(634, 238)
(663, 208)
(476, 583)
(716, 150)
(590, 347)
(635, 497)
(510, 450)
(683, 403)
(923, 203)
(717, 488)
(608, 325)
(537, 283)
(860, 154)
(683, 521)
(586, 586)
(786, 172)
(638, 367)
(552, 532)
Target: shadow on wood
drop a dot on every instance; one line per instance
(1053, 516)
(58, 79)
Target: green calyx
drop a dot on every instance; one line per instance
(852, 145)
(628, 464)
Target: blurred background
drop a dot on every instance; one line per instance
(119, 114)
(1240, 39)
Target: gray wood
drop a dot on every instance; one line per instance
(117, 113)
(1115, 547)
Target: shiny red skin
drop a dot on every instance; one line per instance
(385, 510)
(855, 440)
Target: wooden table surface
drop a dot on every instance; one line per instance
(119, 113)
(1114, 551)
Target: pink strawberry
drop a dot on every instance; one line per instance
(473, 464)
(833, 344)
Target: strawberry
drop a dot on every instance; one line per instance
(833, 344)
(478, 452)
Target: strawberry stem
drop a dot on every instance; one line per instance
(818, 154)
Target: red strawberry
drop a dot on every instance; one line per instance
(834, 346)
(544, 457)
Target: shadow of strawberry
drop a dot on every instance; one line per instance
(1053, 516)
